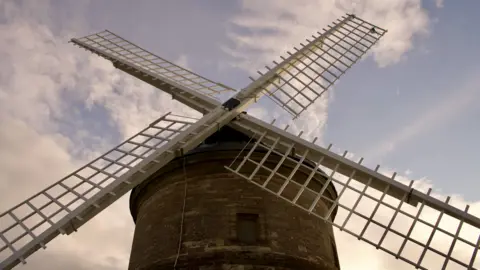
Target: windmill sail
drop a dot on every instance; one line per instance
(187, 87)
(316, 66)
(67, 204)
(406, 223)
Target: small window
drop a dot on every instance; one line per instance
(247, 228)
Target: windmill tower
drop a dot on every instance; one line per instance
(252, 195)
(224, 221)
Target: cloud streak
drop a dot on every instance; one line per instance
(436, 115)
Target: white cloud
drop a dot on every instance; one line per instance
(439, 3)
(287, 24)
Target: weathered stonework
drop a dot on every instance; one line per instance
(288, 237)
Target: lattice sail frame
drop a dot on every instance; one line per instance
(316, 66)
(70, 202)
(119, 50)
(368, 213)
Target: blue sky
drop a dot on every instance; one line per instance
(373, 104)
(410, 106)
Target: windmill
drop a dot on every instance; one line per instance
(325, 189)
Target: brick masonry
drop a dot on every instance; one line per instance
(289, 238)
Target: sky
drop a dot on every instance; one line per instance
(411, 105)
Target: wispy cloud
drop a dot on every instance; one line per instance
(451, 106)
(270, 22)
(439, 3)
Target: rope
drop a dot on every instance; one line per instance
(183, 214)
